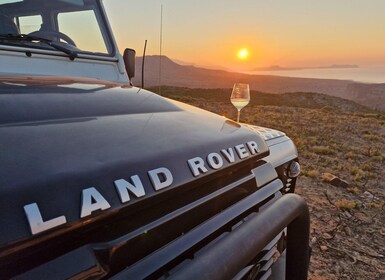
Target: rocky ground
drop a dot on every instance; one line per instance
(342, 153)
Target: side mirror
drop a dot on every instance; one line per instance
(129, 56)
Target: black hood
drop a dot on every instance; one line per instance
(60, 138)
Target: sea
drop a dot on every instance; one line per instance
(360, 74)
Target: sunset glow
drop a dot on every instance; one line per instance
(297, 33)
(243, 54)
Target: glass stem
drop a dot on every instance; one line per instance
(239, 114)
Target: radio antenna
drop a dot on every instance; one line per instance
(160, 48)
(144, 56)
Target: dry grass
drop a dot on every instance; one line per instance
(341, 139)
(310, 173)
(345, 204)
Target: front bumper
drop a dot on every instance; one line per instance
(231, 257)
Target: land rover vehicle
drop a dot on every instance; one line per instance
(100, 179)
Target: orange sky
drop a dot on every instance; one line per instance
(276, 32)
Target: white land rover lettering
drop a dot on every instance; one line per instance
(160, 178)
(215, 160)
(93, 200)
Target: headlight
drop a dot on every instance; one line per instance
(293, 170)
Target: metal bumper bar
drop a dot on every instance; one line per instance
(225, 259)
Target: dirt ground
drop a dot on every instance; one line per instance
(342, 154)
(347, 244)
(348, 219)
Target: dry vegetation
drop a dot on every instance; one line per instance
(334, 138)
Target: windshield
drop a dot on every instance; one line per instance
(74, 24)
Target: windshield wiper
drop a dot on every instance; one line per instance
(27, 38)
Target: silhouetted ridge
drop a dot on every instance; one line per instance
(174, 74)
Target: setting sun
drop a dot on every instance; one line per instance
(243, 54)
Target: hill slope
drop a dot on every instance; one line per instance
(174, 74)
(332, 136)
(295, 99)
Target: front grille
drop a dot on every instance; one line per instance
(162, 247)
(179, 253)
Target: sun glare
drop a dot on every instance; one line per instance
(243, 54)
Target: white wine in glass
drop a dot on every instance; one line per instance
(240, 97)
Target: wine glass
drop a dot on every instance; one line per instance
(240, 97)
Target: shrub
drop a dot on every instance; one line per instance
(311, 173)
(378, 158)
(324, 150)
(367, 166)
(352, 155)
(354, 190)
(345, 204)
(357, 173)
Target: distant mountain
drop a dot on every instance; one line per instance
(275, 68)
(184, 63)
(279, 68)
(173, 74)
(342, 66)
